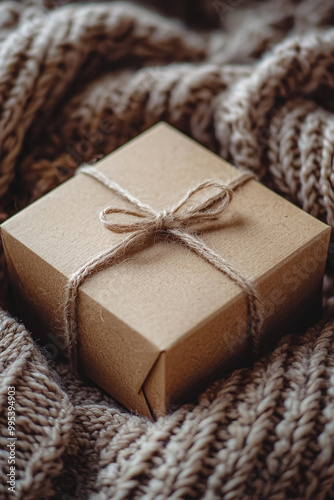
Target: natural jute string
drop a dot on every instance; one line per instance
(175, 223)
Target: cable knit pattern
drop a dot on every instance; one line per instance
(256, 85)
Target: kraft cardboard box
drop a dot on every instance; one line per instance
(159, 324)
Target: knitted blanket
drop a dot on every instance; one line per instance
(255, 83)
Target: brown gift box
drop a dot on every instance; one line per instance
(157, 326)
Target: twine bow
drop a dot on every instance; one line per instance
(180, 222)
(152, 221)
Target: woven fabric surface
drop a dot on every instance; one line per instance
(254, 82)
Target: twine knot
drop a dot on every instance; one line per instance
(164, 221)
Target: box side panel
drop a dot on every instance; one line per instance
(36, 289)
(291, 293)
(290, 299)
(215, 348)
(115, 357)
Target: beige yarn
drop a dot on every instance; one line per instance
(152, 225)
(79, 80)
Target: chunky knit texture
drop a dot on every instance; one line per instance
(76, 82)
